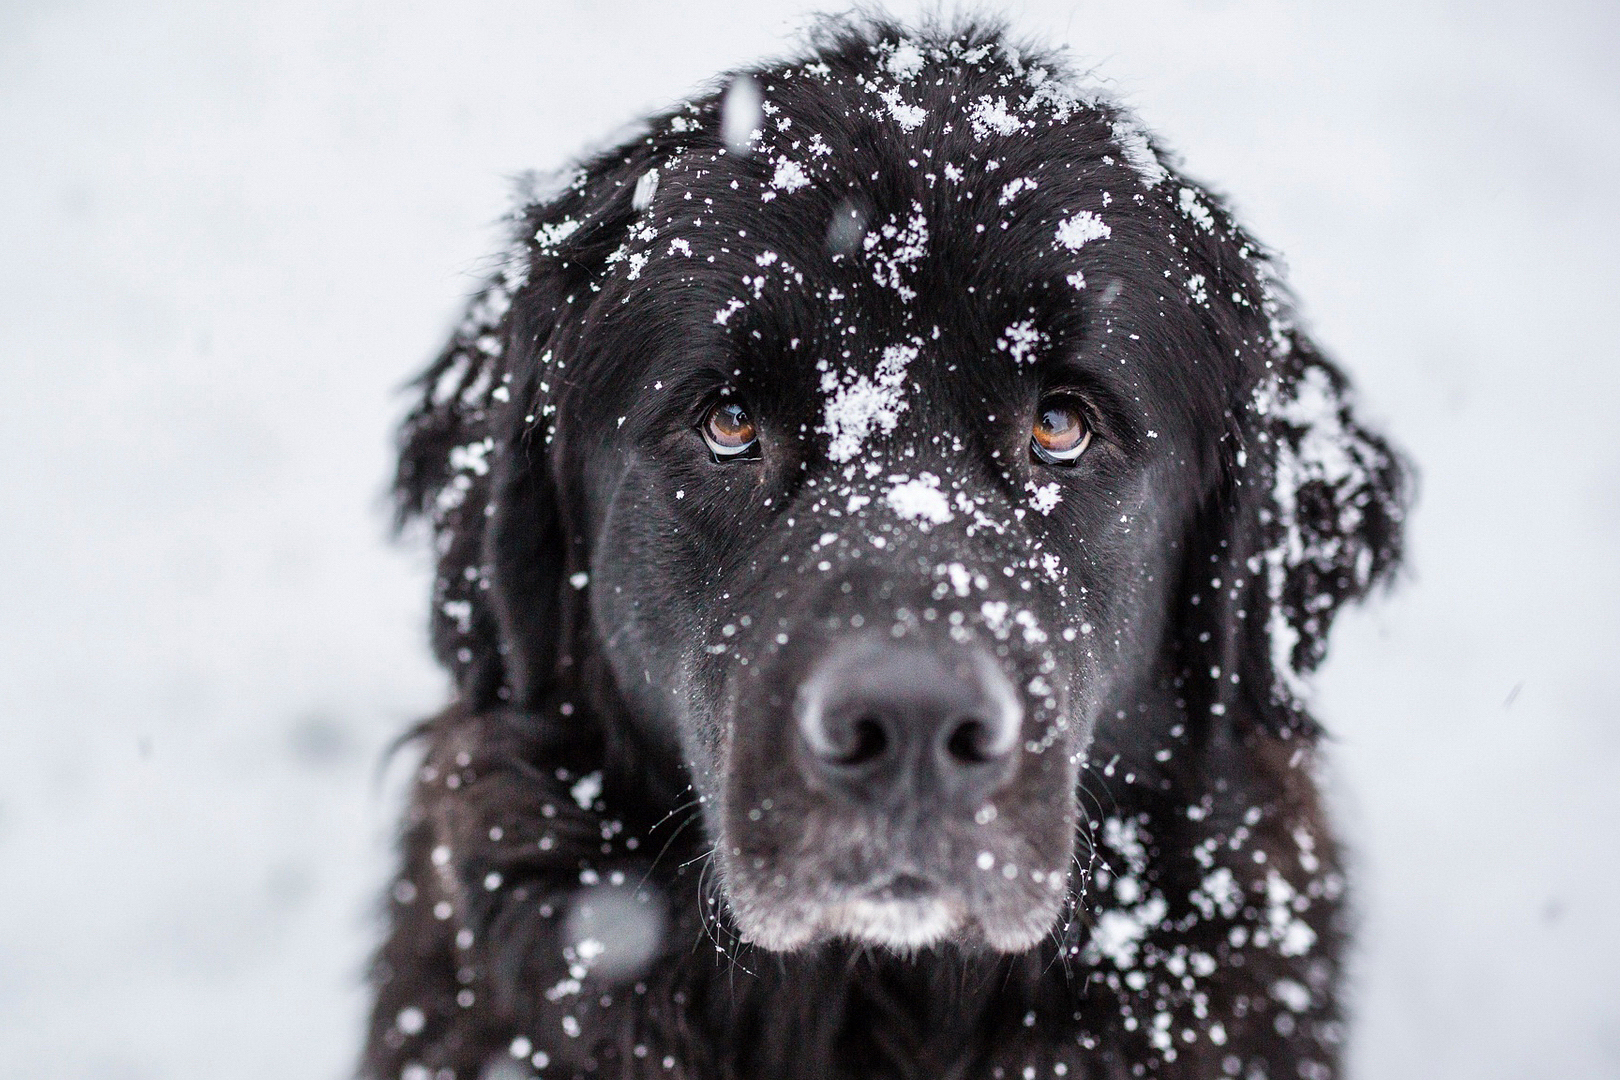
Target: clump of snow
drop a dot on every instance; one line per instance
(1013, 188)
(1118, 934)
(908, 116)
(1219, 891)
(905, 62)
(1033, 635)
(857, 405)
(1124, 835)
(919, 500)
(1187, 199)
(995, 615)
(895, 247)
(991, 116)
(1046, 498)
(961, 579)
(790, 175)
(1291, 994)
(1291, 934)
(473, 457)
(461, 611)
(1074, 233)
(1022, 340)
(550, 235)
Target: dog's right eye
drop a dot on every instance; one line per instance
(1060, 433)
(729, 431)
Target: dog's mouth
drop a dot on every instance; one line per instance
(810, 876)
(906, 888)
(906, 913)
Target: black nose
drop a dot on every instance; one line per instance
(881, 723)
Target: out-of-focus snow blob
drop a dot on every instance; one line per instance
(614, 930)
(504, 1068)
(742, 115)
(847, 228)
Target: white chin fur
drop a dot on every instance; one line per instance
(897, 924)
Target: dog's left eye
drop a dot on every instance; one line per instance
(729, 431)
(1060, 433)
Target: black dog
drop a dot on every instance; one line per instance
(884, 515)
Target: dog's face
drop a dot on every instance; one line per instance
(875, 407)
(878, 504)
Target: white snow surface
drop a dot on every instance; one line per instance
(232, 230)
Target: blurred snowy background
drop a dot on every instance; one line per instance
(229, 231)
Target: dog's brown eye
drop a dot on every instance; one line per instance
(729, 430)
(1060, 432)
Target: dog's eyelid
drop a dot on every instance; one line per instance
(1108, 409)
(1090, 409)
(1068, 390)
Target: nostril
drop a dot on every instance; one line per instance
(970, 742)
(868, 741)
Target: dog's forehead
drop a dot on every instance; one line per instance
(920, 199)
(898, 246)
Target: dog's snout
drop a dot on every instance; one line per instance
(881, 723)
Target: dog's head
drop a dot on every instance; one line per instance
(897, 428)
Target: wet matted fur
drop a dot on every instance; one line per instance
(892, 252)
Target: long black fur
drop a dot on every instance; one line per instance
(1269, 506)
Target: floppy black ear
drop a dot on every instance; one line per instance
(1310, 517)
(447, 454)
(476, 450)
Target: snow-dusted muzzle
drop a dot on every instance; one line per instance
(882, 779)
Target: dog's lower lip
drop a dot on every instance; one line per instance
(907, 887)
